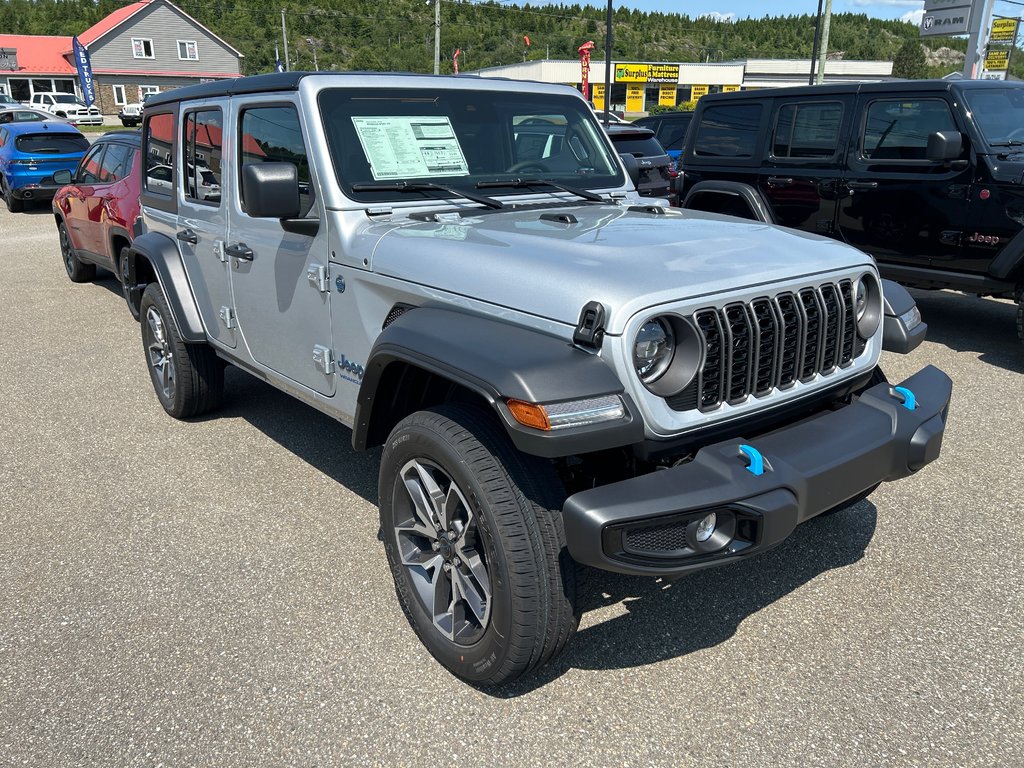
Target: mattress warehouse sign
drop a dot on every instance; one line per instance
(646, 73)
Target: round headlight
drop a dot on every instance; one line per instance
(653, 349)
(867, 303)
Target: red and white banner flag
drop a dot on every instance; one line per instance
(455, 59)
(584, 52)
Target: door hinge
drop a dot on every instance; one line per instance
(823, 226)
(318, 277)
(952, 237)
(227, 316)
(218, 251)
(323, 359)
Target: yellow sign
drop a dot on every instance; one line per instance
(730, 88)
(646, 73)
(634, 98)
(667, 95)
(1003, 31)
(997, 60)
(598, 99)
(696, 91)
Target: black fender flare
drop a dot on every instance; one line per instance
(498, 361)
(760, 209)
(1009, 262)
(896, 336)
(162, 254)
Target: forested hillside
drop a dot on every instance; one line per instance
(399, 35)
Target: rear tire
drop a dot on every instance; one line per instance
(78, 271)
(14, 205)
(188, 378)
(459, 505)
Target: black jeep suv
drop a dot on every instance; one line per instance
(926, 176)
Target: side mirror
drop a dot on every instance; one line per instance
(632, 167)
(271, 190)
(62, 177)
(944, 146)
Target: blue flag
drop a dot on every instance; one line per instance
(280, 66)
(84, 67)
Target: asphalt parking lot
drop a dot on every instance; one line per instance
(213, 593)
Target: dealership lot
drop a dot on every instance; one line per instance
(214, 593)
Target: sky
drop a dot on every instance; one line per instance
(908, 10)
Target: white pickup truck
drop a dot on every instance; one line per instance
(68, 106)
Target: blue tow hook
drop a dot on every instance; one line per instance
(909, 401)
(756, 465)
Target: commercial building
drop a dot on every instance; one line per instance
(148, 46)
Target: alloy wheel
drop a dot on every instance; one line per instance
(161, 358)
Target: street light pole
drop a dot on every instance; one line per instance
(608, 63)
(284, 34)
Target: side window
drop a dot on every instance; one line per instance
(203, 141)
(898, 129)
(112, 167)
(728, 130)
(89, 170)
(159, 153)
(805, 131)
(273, 135)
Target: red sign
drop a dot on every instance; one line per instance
(584, 52)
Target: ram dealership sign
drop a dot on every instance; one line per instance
(946, 17)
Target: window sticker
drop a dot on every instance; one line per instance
(410, 147)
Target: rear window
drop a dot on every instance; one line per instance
(638, 146)
(51, 143)
(728, 130)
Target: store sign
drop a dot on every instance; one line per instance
(696, 91)
(598, 93)
(986, 75)
(8, 59)
(1003, 31)
(946, 21)
(997, 60)
(667, 95)
(634, 98)
(646, 73)
(730, 88)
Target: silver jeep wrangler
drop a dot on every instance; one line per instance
(561, 374)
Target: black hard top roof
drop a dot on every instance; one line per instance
(889, 87)
(131, 136)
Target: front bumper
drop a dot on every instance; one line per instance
(647, 525)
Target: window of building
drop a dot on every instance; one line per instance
(898, 129)
(203, 140)
(728, 130)
(146, 90)
(804, 131)
(142, 48)
(273, 135)
(119, 96)
(188, 50)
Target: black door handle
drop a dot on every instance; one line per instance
(862, 184)
(779, 181)
(240, 251)
(188, 236)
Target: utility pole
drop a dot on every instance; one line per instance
(823, 52)
(437, 37)
(976, 42)
(815, 44)
(284, 34)
(608, 63)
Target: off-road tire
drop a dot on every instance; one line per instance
(516, 500)
(195, 376)
(122, 278)
(78, 271)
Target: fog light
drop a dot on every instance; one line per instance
(706, 527)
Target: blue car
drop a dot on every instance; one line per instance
(30, 153)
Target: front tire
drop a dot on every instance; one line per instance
(188, 378)
(78, 271)
(473, 534)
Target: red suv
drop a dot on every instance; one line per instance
(97, 208)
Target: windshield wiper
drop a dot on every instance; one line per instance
(584, 193)
(420, 186)
(1007, 143)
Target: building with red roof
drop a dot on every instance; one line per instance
(145, 47)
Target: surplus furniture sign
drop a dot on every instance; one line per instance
(646, 73)
(1003, 31)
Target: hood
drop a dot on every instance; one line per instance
(628, 260)
(1007, 166)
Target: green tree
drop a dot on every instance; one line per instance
(910, 62)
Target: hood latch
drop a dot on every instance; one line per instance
(590, 329)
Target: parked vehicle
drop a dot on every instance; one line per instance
(30, 153)
(96, 211)
(20, 114)
(131, 114)
(670, 131)
(923, 175)
(557, 373)
(8, 101)
(68, 106)
(656, 171)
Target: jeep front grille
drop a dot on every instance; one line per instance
(771, 342)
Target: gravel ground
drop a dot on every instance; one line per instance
(214, 594)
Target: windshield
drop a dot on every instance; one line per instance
(637, 145)
(65, 98)
(461, 138)
(51, 143)
(999, 113)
